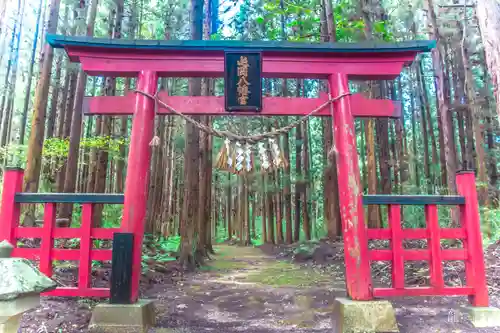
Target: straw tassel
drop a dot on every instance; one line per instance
(223, 156)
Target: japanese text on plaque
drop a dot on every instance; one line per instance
(243, 84)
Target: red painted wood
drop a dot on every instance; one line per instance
(61, 254)
(424, 254)
(33, 232)
(214, 106)
(136, 185)
(434, 244)
(84, 269)
(398, 266)
(454, 254)
(128, 63)
(358, 274)
(47, 244)
(99, 255)
(28, 232)
(27, 253)
(422, 291)
(10, 210)
(446, 233)
(475, 268)
(79, 292)
(104, 233)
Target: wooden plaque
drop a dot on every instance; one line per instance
(243, 81)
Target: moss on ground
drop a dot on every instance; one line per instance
(224, 265)
(283, 274)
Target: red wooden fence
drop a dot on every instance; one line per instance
(469, 233)
(10, 230)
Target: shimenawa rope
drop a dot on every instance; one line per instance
(251, 139)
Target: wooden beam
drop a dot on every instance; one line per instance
(385, 199)
(214, 106)
(128, 63)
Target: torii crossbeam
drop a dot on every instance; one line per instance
(336, 62)
(214, 106)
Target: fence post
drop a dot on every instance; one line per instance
(10, 211)
(470, 219)
(121, 268)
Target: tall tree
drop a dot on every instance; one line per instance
(11, 75)
(191, 161)
(29, 76)
(330, 188)
(35, 143)
(76, 121)
(438, 59)
(488, 15)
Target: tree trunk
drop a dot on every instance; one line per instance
(305, 207)
(12, 54)
(93, 158)
(299, 182)
(443, 103)
(35, 143)
(373, 210)
(425, 137)
(287, 192)
(330, 188)
(229, 208)
(76, 126)
(56, 86)
(488, 17)
(203, 192)
(270, 209)
(264, 209)
(424, 99)
(29, 76)
(8, 111)
(478, 133)
(191, 160)
(120, 163)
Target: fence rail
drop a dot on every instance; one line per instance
(11, 230)
(386, 199)
(95, 198)
(468, 232)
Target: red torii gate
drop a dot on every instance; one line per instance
(148, 60)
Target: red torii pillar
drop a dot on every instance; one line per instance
(358, 274)
(136, 184)
(358, 277)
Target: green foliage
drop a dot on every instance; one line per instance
(159, 250)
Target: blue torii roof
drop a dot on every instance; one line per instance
(60, 41)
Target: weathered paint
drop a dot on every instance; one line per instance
(358, 275)
(469, 233)
(470, 219)
(136, 185)
(10, 230)
(10, 210)
(214, 106)
(129, 62)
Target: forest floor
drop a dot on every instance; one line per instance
(256, 290)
